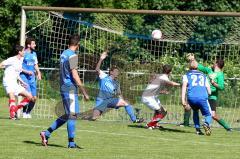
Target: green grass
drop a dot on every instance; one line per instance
(108, 140)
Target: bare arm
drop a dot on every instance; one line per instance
(171, 83)
(184, 90)
(79, 83)
(1, 65)
(102, 57)
(39, 75)
(27, 72)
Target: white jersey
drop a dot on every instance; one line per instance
(13, 67)
(157, 84)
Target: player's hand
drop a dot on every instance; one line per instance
(187, 107)
(24, 84)
(190, 57)
(103, 55)
(30, 73)
(39, 76)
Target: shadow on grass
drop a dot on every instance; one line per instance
(40, 144)
(161, 129)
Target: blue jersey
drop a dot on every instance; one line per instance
(197, 84)
(68, 61)
(108, 88)
(29, 62)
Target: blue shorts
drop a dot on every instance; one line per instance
(103, 104)
(70, 101)
(31, 84)
(201, 104)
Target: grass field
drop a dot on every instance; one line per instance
(108, 140)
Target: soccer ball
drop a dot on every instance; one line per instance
(156, 34)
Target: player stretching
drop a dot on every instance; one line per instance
(109, 95)
(30, 64)
(196, 84)
(69, 82)
(216, 77)
(13, 67)
(156, 86)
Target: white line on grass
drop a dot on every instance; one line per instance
(137, 136)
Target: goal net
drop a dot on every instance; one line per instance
(127, 37)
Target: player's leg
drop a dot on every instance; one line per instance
(206, 112)
(12, 105)
(118, 102)
(186, 118)
(33, 88)
(24, 110)
(221, 121)
(100, 107)
(159, 112)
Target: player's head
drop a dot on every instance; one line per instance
(74, 40)
(166, 69)
(219, 63)
(30, 43)
(193, 65)
(19, 50)
(114, 72)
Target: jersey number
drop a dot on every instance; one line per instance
(196, 82)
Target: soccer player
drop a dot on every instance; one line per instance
(30, 67)
(196, 84)
(109, 95)
(156, 86)
(69, 83)
(216, 77)
(13, 67)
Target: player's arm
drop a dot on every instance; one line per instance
(22, 82)
(220, 82)
(208, 87)
(27, 72)
(73, 63)
(39, 75)
(79, 83)
(2, 65)
(171, 83)
(102, 57)
(184, 90)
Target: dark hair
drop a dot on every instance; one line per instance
(220, 63)
(18, 48)
(28, 41)
(113, 68)
(166, 69)
(73, 40)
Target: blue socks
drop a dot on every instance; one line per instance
(196, 119)
(55, 125)
(130, 112)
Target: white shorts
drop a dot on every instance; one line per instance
(152, 102)
(13, 86)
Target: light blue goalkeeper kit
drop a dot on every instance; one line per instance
(108, 96)
(197, 95)
(69, 94)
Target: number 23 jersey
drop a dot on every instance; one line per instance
(197, 84)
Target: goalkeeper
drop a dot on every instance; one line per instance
(216, 78)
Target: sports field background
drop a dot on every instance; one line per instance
(108, 140)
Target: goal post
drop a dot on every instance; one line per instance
(126, 33)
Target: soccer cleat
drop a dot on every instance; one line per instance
(183, 125)
(207, 129)
(139, 120)
(74, 146)
(229, 130)
(44, 138)
(199, 132)
(24, 115)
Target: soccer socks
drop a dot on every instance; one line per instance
(187, 114)
(30, 107)
(223, 124)
(23, 103)
(55, 125)
(196, 119)
(71, 131)
(12, 108)
(130, 112)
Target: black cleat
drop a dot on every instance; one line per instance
(229, 130)
(199, 132)
(139, 120)
(75, 146)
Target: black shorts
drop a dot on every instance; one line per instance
(213, 104)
